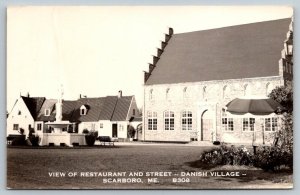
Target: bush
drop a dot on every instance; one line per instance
(130, 131)
(85, 131)
(34, 139)
(266, 157)
(91, 137)
(227, 156)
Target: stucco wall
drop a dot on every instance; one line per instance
(19, 115)
(197, 101)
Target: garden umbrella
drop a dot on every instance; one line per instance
(253, 106)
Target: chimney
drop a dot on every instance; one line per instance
(80, 96)
(28, 95)
(120, 94)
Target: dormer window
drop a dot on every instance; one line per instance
(83, 110)
(47, 112)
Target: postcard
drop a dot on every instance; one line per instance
(149, 97)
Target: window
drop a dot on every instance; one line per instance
(133, 111)
(101, 125)
(83, 110)
(39, 126)
(151, 97)
(16, 127)
(19, 112)
(268, 88)
(247, 90)
(93, 127)
(185, 93)
(169, 120)
(152, 120)
(225, 91)
(167, 93)
(227, 123)
(248, 124)
(47, 112)
(271, 124)
(204, 92)
(186, 120)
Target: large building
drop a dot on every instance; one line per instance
(196, 74)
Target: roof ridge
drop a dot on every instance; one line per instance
(230, 26)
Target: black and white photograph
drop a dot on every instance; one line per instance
(149, 97)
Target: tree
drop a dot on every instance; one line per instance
(284, 138)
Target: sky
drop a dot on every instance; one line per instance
(98, 50)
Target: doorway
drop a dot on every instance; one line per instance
(206, 126)
(115, 130)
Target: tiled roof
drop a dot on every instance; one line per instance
(94, 105)
(102, 108)
(33, 104)
(122, 108)
(108, 110)
(48, 104)
(242, 51)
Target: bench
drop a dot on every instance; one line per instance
(106, 139)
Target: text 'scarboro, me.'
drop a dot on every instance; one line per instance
(149, 97)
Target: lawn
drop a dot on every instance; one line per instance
(29, 168)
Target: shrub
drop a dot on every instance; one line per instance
(131, 131)
(34, 139)
(266, 157)
(91, 137)
(85, 131)
(227, 156)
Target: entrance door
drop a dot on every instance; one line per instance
(115, 130)
(206, 126)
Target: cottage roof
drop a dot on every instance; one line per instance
(33, 104)
(102, 108)
(242, 51)
(48, 104)
(122, 108)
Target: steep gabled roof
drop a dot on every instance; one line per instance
(33, 104)
(108, 109)
(242, 51)
(102, 108)
(68, 108)
(122, 108)
(48, 104)
(94, 105)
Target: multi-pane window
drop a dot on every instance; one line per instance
(271, 124)
(227, 123)
(101, 125)
(248, 124)
(169, 120)
(16, 127)
(187, 120)
(152, 120)
(39, 126)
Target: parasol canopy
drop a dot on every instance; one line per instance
(253, 106)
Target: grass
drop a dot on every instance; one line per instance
(28, 168)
